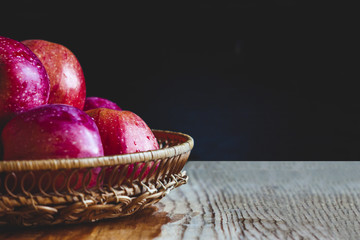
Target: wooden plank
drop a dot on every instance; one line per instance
(266, 200)
(238, 200)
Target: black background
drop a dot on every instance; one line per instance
(255, 80)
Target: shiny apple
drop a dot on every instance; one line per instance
(123, 132)
(52, 131)
(24, 83)
(67, 81)
(97, 102)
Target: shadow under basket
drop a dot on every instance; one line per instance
(65, 191)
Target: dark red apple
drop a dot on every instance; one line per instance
(52, 131)
(97, 102)
(24, 83)
(67, 81)
(123, 132)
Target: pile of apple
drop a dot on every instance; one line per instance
(45, 114)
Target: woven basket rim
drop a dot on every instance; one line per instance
(71, 163)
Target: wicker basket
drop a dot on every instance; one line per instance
(91, 189)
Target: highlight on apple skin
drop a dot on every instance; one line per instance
(67, 81)
(24, 82)
(97, 102)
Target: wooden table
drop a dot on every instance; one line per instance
(238, 200)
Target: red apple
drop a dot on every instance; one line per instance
(52, 131)
(123, 132)
(24, 83)
(97, 102)
(67, 82)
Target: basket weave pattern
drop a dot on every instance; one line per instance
(64, 191)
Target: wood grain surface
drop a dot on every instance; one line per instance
(267, 200)
(238, 200)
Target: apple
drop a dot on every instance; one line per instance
(52, 131)
(97, 102)
(24, 83)
(67, 81)
(123, 132)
